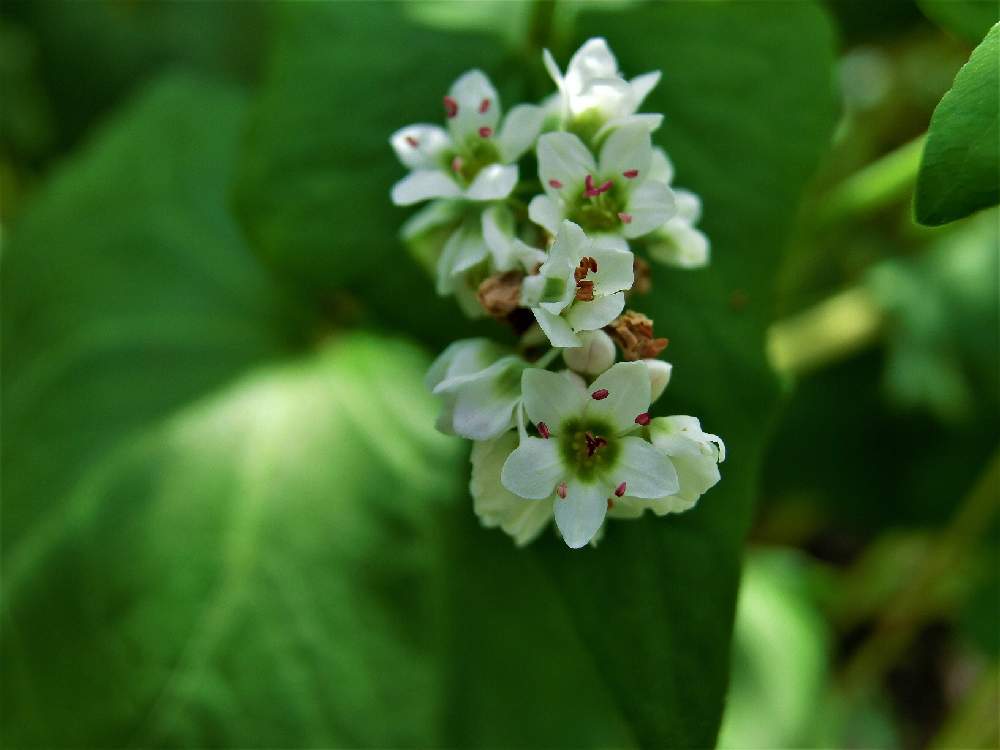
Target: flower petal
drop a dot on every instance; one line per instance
(609, 97)
(679, 244)
(650, 205)
(433, 215)
(580, 514)
(563, 164)
(647, 472)
(589, 316)
(462, 358)
(688, 205)
(556, 329)
(484, 405)
(642, 85)
(627, 384)
(547, 398)
(650, 121)
(420, 146)
(627, 148)
(519, 130)
(498, 233)
(615, 270)
(661, 168)
(422, 185)
(469, 93)
(593, 60)
(493, 183)
(545, 212)
(463, 250)
(533, 469)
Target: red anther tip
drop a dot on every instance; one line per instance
(555, 183)
(485, 131)
(589, 182)
(456, 164)
(620, 490)
(561, 490)
(412, 142)
(484, 106)
(643, 419)
(543, 430)
(600, 394)
(631, 173)
(450, 106)
(626, 218)
(605, 187)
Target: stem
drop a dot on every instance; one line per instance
(546, 359)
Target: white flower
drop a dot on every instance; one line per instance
(580, 287)
(618, 196)
(584, 455)
(694, 454)
(480, 384)
(593, 95)
(595, 354)
(659, 376)
(677, 242)
(472, 159)
(495, 504)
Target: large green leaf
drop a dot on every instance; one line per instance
(960, 171)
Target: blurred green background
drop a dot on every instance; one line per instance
(227, 520)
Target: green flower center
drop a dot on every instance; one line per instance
(600, 213)
(588, 446)
(467, 162)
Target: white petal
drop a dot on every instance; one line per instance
(563, 164)
(433, 215)
(609, 97)
(647, 472)
(627, 148)
(580, 514)
(463, 250)
(650, 205)
(589, 316)
(552, 67)
(557, 330)
(679, 244)
(593, 60)
(493, 183)
(421, 146)
(484, 406)
(595, 356)
(498, 233)
(615, 270)
(627, 384)
(651, 122)
(659, 376)
(533, 469)
(570, 245)
(661, 168)
(529, 258)
(469, 93)
(688, 205)
(642, 85)
(462, 358)
(548, 399)
(424, 184)
(495, 504)
(545, 212)
(519, 131)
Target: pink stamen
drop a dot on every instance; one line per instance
(631, 173)
(626, 218)
(605, 187)
(450, 107)
(600, 394)
(620, 490)
(591, 191)
(555, 183)
(643, 419)
(456, 164)
(484, 106)
(485, 132)
(412, 142)
(561, 490)
(543, 430)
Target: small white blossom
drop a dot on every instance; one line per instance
(595, 354)
(584, 455)
(580, 287)
(594, 96)
(677, 242)
(694, 454)
(620, 195)
(472, 159)
(659, 376)
(480, 385)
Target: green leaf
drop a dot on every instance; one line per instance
(960, 172)
(969, 19)
(651, 608)
(317, 167)
(201, 548)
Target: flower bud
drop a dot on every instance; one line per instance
(595, 356)
(659, 375)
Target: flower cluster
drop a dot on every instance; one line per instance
(552, 257)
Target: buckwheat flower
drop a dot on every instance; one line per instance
(480, 386)
(595, 354)
(579, 287)
(584, 456)
(695, 455)
(594, 96)
(475, 158)
(615, 196)
(677, 242)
